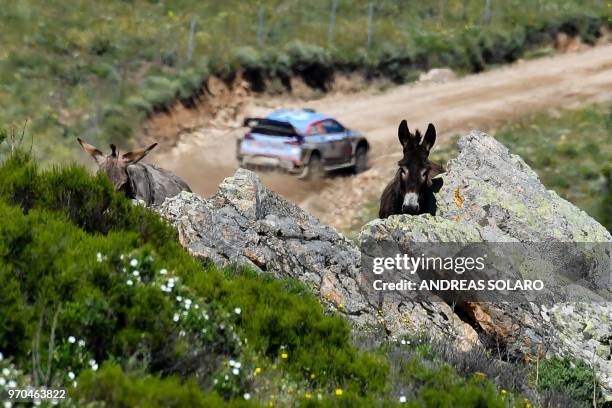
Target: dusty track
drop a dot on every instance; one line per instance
(477, 101)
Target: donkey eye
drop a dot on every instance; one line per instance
(424, 173)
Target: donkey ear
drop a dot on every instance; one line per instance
(430, 137)
(93, 151)
(137, 155)
(403, 133)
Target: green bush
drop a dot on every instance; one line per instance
(574, 378)
(248, 58)
(87, 275)
(113, 387)
(283, 320)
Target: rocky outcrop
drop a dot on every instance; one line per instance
(248, 225)
(494, 197)
(488, 195)
(245, 224)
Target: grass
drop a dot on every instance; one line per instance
(571, 152)
(97, 69)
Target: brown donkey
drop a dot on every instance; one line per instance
(143, 182)
(411, 190)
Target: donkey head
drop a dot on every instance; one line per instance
(415, 171)
(115, 166)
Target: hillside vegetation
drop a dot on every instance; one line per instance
(96, 69)
(97, 295)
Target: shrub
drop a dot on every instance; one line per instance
(287, 324)
(574, 378)
(311, 62)
(115, 301)
(80, 261)
(113, 387)
(248, 58)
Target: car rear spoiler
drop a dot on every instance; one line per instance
(270, 127)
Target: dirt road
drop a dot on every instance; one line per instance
(477, 101)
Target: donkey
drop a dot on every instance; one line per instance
(411, 190)
(139, 181)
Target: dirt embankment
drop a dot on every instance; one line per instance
(205, 152)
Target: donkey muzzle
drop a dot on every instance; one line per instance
(411, 203)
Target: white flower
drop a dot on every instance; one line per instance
(122, 257)
(187, 306)
(163, 288)
(136, 273)
(1, 356)
(134, 262)
(94, 367)
(237, 310)
(8, 404)
(81, 343)
(176, 317)
(182, 333)
(6, 372)
(402, 399)
(237, 365)
(71, 375)
(99, 257)
(188, 301)
(247, 396)
(196, 306)
(92, 362)
(231, 363)
(403, 341)
(179, 298)
(235, 371)
(11, 384)
(71, 339)
(74, 384)
(129, 282)
(2, 381)
(163, 271)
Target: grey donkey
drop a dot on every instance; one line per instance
(139, 181)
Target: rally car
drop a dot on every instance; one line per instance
(302, 142)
